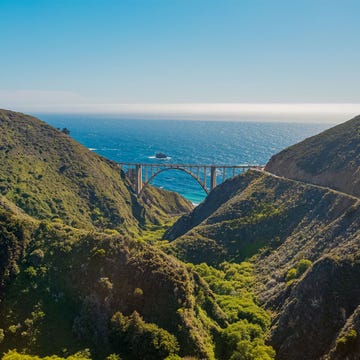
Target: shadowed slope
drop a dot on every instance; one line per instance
(302, 238)
(74, 281)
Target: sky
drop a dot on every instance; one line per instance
(182, 58)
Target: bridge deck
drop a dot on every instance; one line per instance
(240, 166)
(141, 174)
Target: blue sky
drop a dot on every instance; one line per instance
(66, 54)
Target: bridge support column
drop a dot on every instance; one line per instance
(138, 179)
(213, 177)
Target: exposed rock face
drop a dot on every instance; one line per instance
(331, 159)
(347, 344)
(317, 309)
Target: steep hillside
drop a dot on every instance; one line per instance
(78, 273)
(259, 243)
(262, 212)
(73, 282)
(14, 237)
(287, 228)
(114, 295)
(319, 318)
(331, 159)
(303, 240)
(161, 206)
(49, 175)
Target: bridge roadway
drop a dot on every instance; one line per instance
(141, 174)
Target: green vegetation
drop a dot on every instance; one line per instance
(244, 337)
(295, 272)
(50, 176)
(261, 214)
(330, 159)
(346, 343)
(14, 355)
(162, 207)
(72, 282)
(61, 309)
(146, 341)
(288, 227)
(85, 264)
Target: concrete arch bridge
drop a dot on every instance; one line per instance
(208, 176)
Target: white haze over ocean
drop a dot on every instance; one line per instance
(66, 102)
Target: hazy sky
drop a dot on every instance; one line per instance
(92, 55)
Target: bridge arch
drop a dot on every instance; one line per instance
(147, 182)
(141, 174)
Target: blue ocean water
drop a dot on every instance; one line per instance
(191, 142)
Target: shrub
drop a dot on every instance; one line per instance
(244, 337)
(111, 232)
(244, 340)
(291, 274)
(14, 328)
(113, 357)
(175, 357)
(31, 272)
(36, 257)
(302, 266)
(142, 340)
(98, 253)
(346, 343)
(138, 292)
(253, 350)
(14, 355)
(298, 270)
(105, 285)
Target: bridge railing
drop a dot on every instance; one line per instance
(141, 174)
(239, 166)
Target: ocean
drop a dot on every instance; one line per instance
(190, 142)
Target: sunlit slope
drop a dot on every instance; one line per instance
(50, 176)
(331, 159)
(303, 239)
(262, 212)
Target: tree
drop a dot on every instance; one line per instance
(142, 340)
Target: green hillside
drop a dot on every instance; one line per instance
(61, 286)
(267, 267)
(64, 290)
(302, 239)
(331, 159)
(79, 278)
(50, 176)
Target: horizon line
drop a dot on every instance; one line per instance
(302, 112)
